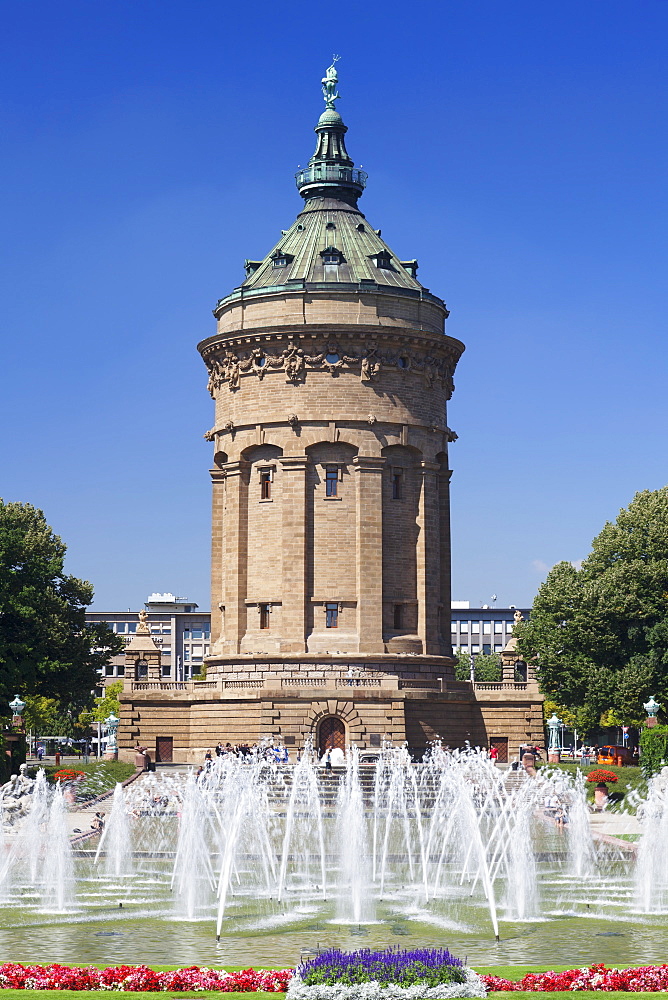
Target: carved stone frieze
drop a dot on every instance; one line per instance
(333, 357)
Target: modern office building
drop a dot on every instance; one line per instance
(482, 630)
(180, 631)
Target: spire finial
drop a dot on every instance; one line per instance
(329, 84)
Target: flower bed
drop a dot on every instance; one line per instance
(646, 979)
(600, 775)
(392, 974)
(140, 979)
(68, 774)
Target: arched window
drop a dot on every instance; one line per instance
(331, 734)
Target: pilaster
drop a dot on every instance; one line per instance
(235, 555)
(294, 552)
(369, 552)
(428, 558)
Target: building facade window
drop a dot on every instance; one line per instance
(498, 627)
(265, 484)
(331, 480)
(475, 627)
(463, 626)
(487, 628)
(265, 611)
(397, 483)
(331, 615)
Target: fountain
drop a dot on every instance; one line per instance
(252, 860)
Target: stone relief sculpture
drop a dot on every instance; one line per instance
(232, 370)
(295, 366)
(371, 365)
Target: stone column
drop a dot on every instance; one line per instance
(217, 561)
(429, 559)
(294, 545)
(235, 553)
(369, 555)
(445, 601)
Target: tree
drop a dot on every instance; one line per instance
(109, 703)
(600, 633)
(487, 666)
(46, 647)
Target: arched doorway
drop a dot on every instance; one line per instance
(331, 734)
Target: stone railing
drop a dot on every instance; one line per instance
(162, 685)
(255, 683)
(303, 682)
(368, 682)
(500, 685)
(424, 685)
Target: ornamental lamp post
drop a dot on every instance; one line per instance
(652, 708)
(111, 749)
(17, 706)
(554, 725)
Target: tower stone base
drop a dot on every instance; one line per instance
(370, 701)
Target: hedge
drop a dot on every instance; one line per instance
(653, 749)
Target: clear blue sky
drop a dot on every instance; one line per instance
(518, 150)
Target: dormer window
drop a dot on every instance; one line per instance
(251, 266)
(330, 255)
(411, 266)
(281, 259)
(382, 260)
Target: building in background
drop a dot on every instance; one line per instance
(482, 630)
(179, 629)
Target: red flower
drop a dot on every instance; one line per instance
(601, 775)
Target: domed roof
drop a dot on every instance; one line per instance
(331, 242)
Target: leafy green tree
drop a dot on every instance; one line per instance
(600, 633)
(46, 647)
(487, 666)
(109, 703)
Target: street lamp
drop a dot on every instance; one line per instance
(554, 725)
(17, 706)
(111, 749)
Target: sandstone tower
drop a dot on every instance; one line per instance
(331, 371)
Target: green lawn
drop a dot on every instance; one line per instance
(630, 779)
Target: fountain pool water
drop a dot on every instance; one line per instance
(274, 859)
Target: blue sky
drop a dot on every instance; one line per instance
(518, 150)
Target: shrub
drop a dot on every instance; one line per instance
(428, 966)
(653, 749)
(599, 775)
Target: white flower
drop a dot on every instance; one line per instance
(472, 987)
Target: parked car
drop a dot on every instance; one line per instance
(616, 755)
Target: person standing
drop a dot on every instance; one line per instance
(328, 759)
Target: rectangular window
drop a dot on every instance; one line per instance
(486, 648)
(509, 626)
(197, 632)
(166, 670)
(475, 627)
(397, 615)
(497, 647)
(186, 654)
(331, 480)
(463, 626)
(265, 611)
(475, 649)
(453, 626)
(397, 483)
(121, 670)
(486, 628)
(332, 615)
(109, 670)
(498, 627)
(265, 485)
